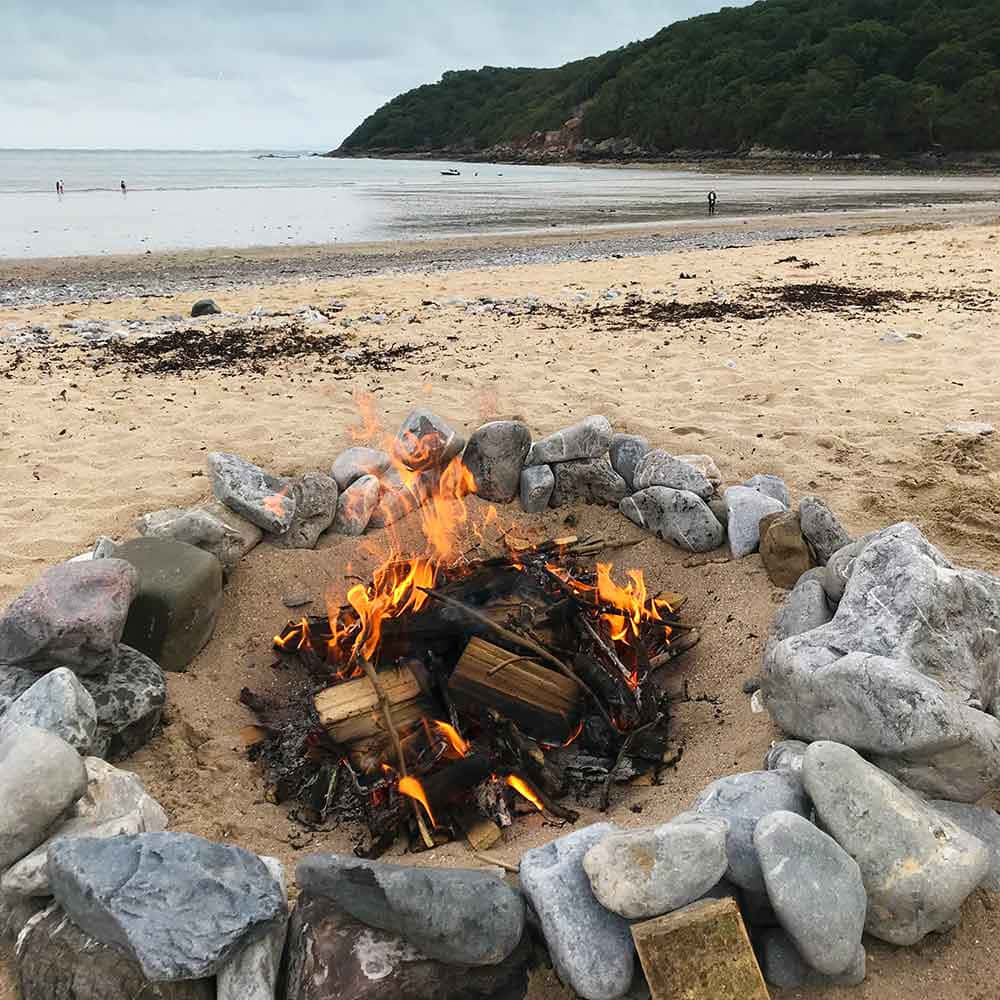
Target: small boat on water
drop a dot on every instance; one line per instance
(451, 173)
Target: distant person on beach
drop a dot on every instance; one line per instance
(124, 189)
(59, 187)
(712, 199)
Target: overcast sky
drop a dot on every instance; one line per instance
(283, 74)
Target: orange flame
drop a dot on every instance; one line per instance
(414, 790)
(523, 788)
(275, 503)
(453, 737)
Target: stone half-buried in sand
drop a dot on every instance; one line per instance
(906, 671)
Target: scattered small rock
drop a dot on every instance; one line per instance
(205, 307)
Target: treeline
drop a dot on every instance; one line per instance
(886, 76)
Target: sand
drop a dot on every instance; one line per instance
(813, 396)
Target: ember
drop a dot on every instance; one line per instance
(542, 664)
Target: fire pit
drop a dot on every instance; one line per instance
(456, 689)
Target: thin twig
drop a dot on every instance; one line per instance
(606, 790)
(490, 860)
(608, 651)
(675, 649)
(520, 640)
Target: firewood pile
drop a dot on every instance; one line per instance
(446, 699)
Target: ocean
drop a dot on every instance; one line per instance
(196, 200)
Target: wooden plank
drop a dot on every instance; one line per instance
(700, 952)
(350, 710)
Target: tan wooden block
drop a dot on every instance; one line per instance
(700, 952)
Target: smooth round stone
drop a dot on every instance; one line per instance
(645, 873)
(495, 456)
(626, 452)
(747, 508)
(771, 486)
(356, 505)
(59, 703)
(352, 464)
(537, 484)
(588, 438)
(587, 480)
(815, 888)
(660, 468)
(821, 529)
(676, 516)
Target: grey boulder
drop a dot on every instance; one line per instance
(785, 968)
(644, 873)
(356, 505)
(591, 947)
(906, 671)
(425, 441)
(56, 960)
(676, 516)
(917, 866)
(59, 703)
(114, 803)
(771, 486)
(804, 609)
(456, 915)
(840, 566)
(205, 307)
(350, 465)
(246, 488)
(625, 452)
(743, 800)
(587, 480)
(659, 468)
(786, 755)
(41, 776)
(72, 616)
(983, 823)
(821, 529)
(747, 508)
(495, 456)
(588, 438)
(815, 888)
(197, 527)
(180, 905)
(705, 464)
(399, 498)
(537, 484)
(315, 498)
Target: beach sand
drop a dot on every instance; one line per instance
(812, 394)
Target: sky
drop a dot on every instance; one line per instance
(271, 74)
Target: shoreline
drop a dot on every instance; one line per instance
(36, 281)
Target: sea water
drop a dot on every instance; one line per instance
(195, 200)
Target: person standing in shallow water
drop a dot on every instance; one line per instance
(124, 189)
(712, 199)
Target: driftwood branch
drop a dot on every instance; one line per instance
(675, 649)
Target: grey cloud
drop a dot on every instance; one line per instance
(256, 73)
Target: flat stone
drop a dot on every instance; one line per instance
(821, 529)
(701, 952)
(590, 947)
(243, 535)
(743, 800)
(495, 456)
(72, 616)
(588, 438)
(786, 755)
(177, 599)
(804, 609)
(195, 527)
(41, 776)
(676, 516)
(114, 803)
(315, 506)
(771, 486)
(815, 888)
(455, 915)
(659, 468)
(180, 905)
(587, 480)
(350, 465)
(205, 307)
(917, 866)
(59, 703)
(747, 508)
(129, 700)
(425, 441)
(625, 452)
(251, 492)
(372, 964)
(983, 823)
(785, 968)
(970, 428)
(644, 873)
(537, 484)
(356, 505)
(783, 550)
(705, 464)
(906, 671)
(56, 960)
(252, 972)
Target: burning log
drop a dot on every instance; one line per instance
(543, 703)
(350, 710)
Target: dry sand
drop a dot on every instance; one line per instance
(815, 397)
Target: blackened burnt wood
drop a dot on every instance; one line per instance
(543, 703)
(452, 783)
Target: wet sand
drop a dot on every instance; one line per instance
(811, 394)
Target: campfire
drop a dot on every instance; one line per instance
(457, 688)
